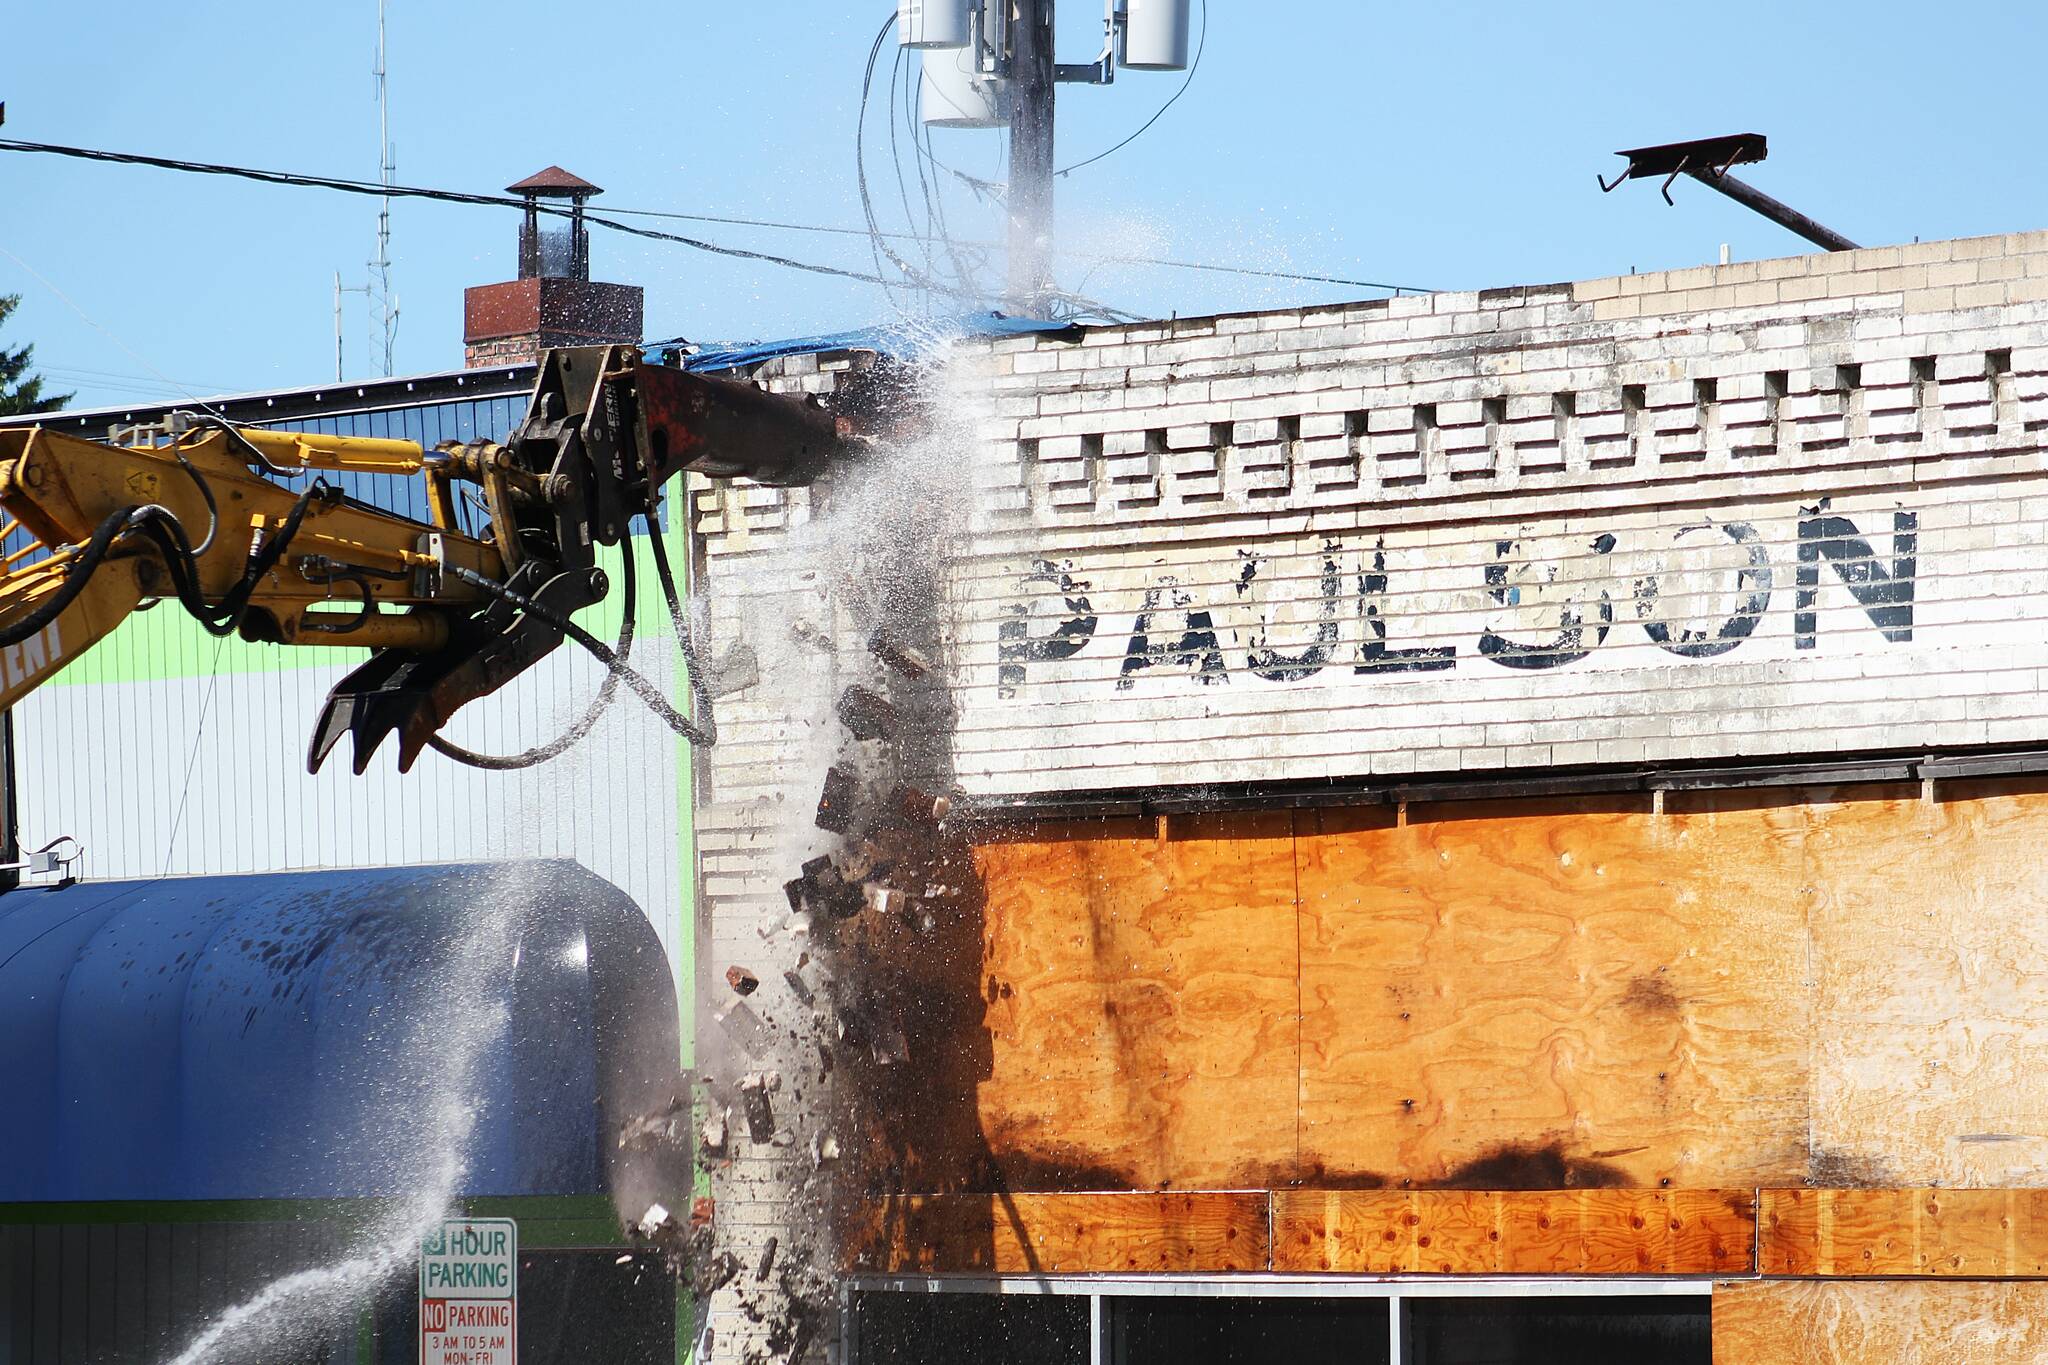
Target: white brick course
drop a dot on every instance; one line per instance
(1654, 519)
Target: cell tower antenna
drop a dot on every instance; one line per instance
(382, 300)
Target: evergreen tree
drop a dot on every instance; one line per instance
(21, 391)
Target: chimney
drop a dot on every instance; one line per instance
(554, 302)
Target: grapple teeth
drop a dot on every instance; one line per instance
(415, 694)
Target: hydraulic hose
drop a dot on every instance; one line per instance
(679, 618)
(225, 616)
(642, 688)
(111, 528)
(572, 736)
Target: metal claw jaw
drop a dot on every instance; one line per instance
(414, 694)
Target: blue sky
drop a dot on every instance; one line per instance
(1444, 145)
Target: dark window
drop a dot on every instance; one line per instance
(574, 1306)
(1650, 1330)
(592, 1305)
(986, 1329)
(1227, 1330)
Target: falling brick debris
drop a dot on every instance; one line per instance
(866, 714)
(745, 1026)
(755, 1088)
(838, 802)
(738, 669)
(884, 645)
(741, 980)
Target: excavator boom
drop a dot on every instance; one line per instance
(238, 526)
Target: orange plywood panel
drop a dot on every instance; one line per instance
(1142, 1005)
(1880, 1322)
(1495, 1232)
(1554, 994)
(1930, 984)
(1966, 1234)
(1069, 1234)
(1796, 987)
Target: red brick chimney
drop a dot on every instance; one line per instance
(554, 302)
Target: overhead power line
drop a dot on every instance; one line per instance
(609, 219)
(367, 187)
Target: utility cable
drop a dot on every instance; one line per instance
(192, 761)
(642, 688)
(693, 663)
(571, 737)
(87, 319)
(878, 246)
(609, 219)
(1159, 113)
(347, 186)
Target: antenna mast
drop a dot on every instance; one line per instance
(380, 269)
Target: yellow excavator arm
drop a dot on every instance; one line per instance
(190, 519)
(238, 527)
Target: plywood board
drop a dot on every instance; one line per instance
(1744, 989)
(1142, 1005)
(1968, 1234)
(1554, 994)
(1930, 931)
(1490, 1232)
(1880, 1322)
(1069, 1234)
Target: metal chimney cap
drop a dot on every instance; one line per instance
(554, 183)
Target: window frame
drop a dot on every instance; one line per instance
(1396, 1290)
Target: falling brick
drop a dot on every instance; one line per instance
(822, 890)
(741, 980)
(837, 803)
(738, 669)
(745, 1026)
(922, 806)
(899, 656)
(718, 1274)
(798, 986)
(760, 1114)
(866, 714)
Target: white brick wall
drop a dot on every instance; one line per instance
(1406, 486)
(1433, 432)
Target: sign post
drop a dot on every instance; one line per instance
(469, 1301)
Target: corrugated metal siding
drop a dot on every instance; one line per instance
(167, 751)
(134, 1291)
(202, 769)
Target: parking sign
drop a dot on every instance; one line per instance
(469, 1292)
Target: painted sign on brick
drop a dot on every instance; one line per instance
(1643, 634)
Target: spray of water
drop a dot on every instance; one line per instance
(861, 557)
(453, 1026)
(869, 553)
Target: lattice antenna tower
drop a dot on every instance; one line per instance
(383, 303)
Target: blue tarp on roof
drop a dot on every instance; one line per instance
(902, 340)
(326, 1034)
